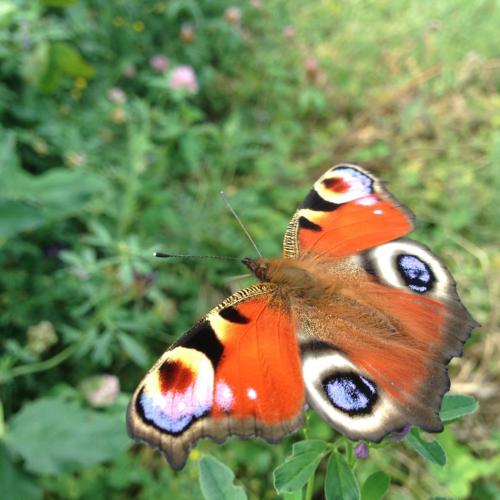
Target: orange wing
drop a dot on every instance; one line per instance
(237, 372)
(347, 210)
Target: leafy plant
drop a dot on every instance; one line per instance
(107, 156)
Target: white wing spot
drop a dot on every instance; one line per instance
(366, 201)
(251, 393)
(378, 212)
(224, 396)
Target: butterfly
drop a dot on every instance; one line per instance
(354, 320)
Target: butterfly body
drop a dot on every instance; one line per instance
(354, 320)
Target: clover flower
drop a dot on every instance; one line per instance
(184, 78)
(117, 95)
(159, 63)
(101, 390)
(233, 15)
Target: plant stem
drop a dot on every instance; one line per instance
(2, 423)
(310, 482)
(350, 453)
(46, 364)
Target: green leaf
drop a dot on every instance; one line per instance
(59, 3)
(137, 353)
(69, 60)
(430, 450)
(456, 405)
(293, 495)
(297, 469)
(14, 483)
(340, 483)
(28, 202)
(54, 436)
(16, 217)
(216, 481)
(7, 11)
(376, 486)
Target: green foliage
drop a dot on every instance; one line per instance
(430, 450)
(376, 486)
(16, 484)
(104, 160)
(340, 483)
(216, 481)
(53, 436)
(455, 406)
(298, 468)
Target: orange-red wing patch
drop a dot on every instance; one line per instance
(260, 366)
(352, 227)
(347, 210)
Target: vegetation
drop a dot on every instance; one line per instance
(119, 124)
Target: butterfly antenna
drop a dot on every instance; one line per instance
(226, 201)
(163, 255)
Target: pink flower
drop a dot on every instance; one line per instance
(256, 4)
(159, 63)
(184, 78)
(117, 95)
(312, 68)
(101, 390)
(233, 15)
(289, 32)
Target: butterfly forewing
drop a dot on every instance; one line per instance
(347, 210)
(225, 377)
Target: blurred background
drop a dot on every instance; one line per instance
(119, 124)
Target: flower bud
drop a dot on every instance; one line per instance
(41, 337)
(361, 451)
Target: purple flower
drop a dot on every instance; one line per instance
(159, 63)
(184, 78)
(398, 436)
(361, 451)
(53, 250)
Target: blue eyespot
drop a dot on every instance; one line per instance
(351, 393)
(416, 274)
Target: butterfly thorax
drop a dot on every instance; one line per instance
(308, 279)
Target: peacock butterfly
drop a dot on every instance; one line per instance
(354, 320)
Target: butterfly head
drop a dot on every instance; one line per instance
(259, 267)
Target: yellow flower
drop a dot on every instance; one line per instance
(138, 26)
(80, 82)
(118, 22)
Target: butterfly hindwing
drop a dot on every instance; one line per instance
(381, 362)
(237, 372)
(347, 210)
